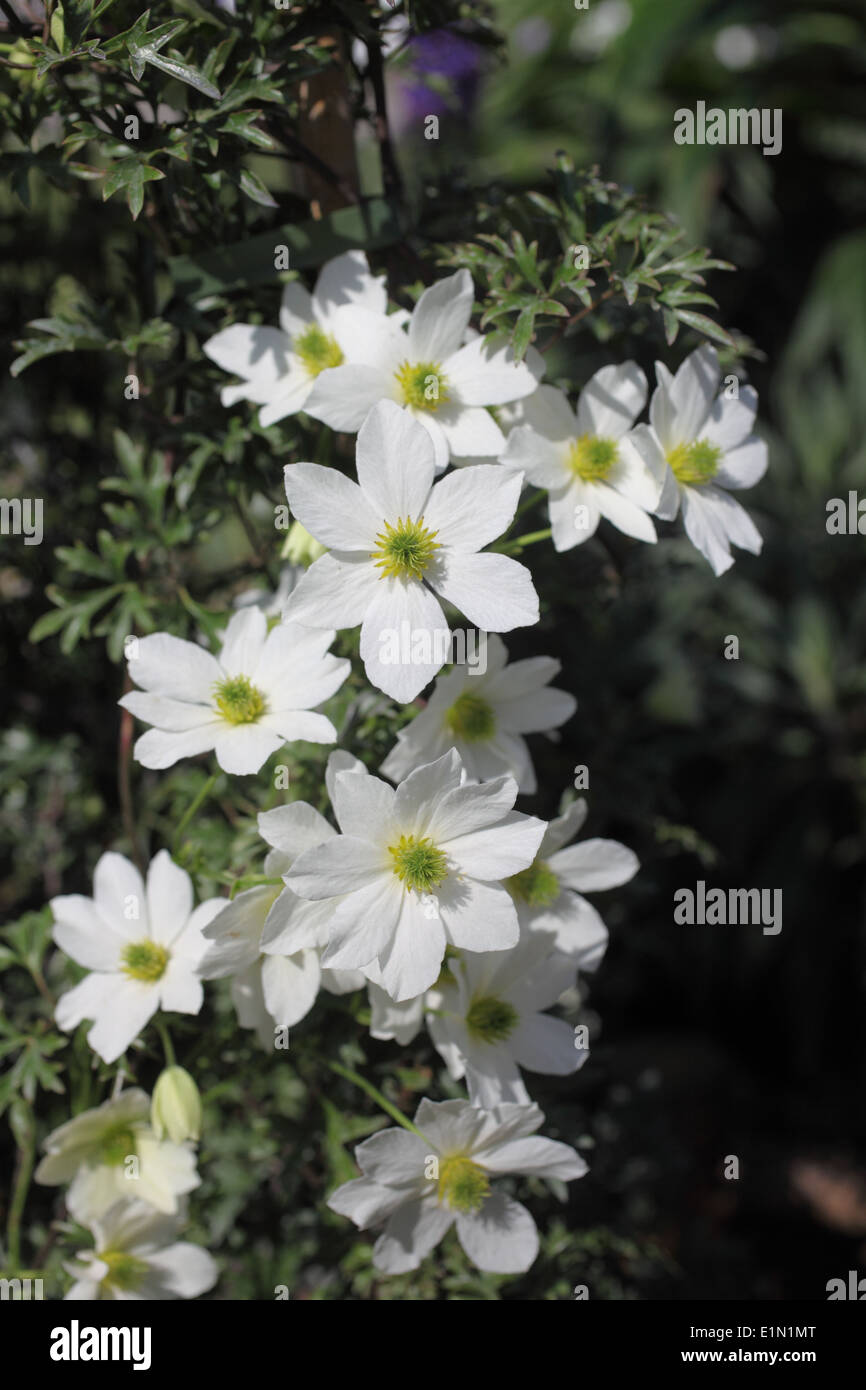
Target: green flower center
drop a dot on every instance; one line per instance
(696, 462)
(422, 385)
(405, 550)
(491, 1020)
(418, 863)
(591, 458)
(238, 700)
(538, 885)
(125, 1271)
(117, 1145)
(462, 1184)
(317, 349)
(144, 960)
(471, 718)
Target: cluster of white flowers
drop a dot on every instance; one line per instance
(455, 911)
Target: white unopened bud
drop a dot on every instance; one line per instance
(175, 1109)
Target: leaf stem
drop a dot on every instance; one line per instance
(380, 1100)
(191, 809)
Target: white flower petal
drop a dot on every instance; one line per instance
(169, 898)
(334, 592)
(484, 375)
(158, 749)
(477, 916)
(170, 666)
(440, 318)
(594, 865)
(251, 351)
(411, 1233)
(744, 466)
(342, 396)
(342, 865)
(545, 1158)
(611, 401)
(501, 1237)
(331, 507)
(470, 430)
(411, 960)
(290, 985)
(495, 592)
(346, 279)
(468, 509)
(243, 640)
(242, 748)
(296, 309)
(397, 607)
(395, 462)
(730, 421)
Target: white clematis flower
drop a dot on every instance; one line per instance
(428, 368)
(141, 944)
(394, 539)
(92, 1152)
(267, 938)
(136, 1256)
(548, 895)
(417, 868)
(484, 716)
(706, 444)
(486, 1019)
(279, 366)
(591, 461)
(419, 1185)
(244, 704)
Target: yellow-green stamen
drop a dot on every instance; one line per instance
(125, 1272)
(317, 349)
(144, 960)
(463, 1185)
(491, 1020)
(471, 718)
(591, 458)
(405, 550)
(537, 886)
(238, 700)
(697, 462)
(116, 1146)
(418, 863)
(422, 385)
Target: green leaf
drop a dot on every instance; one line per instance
(523, 331)
(252, 185)
(183, 72)
(131, 175)
(702, 324)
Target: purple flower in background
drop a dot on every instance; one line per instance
(446, 57)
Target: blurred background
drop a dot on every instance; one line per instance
(710, 1041)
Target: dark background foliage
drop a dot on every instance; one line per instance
(707, 1041)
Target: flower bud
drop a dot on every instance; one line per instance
(175, 1109)
(299, 546)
